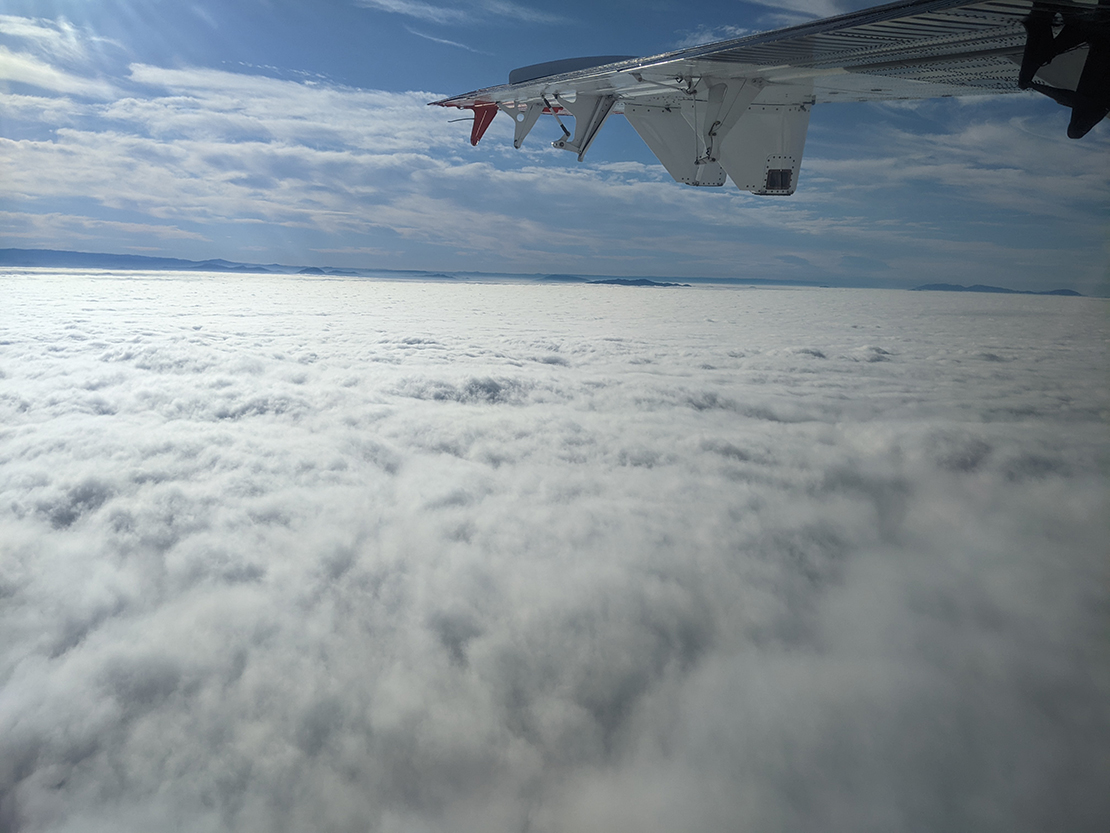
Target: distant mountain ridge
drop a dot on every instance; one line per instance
(64, 259)
(98, 260)
(954, 287)
(634, 282)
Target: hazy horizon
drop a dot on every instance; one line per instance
(132, 264)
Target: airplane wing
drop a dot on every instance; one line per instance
(741, 107)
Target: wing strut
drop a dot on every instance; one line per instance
(524, 119)
(590, 112)
(728, 100)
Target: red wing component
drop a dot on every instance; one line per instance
(483, 115)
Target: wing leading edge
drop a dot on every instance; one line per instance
(741, 107)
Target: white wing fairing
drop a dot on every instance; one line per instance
(741, 107)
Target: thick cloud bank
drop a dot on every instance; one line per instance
(343, 555)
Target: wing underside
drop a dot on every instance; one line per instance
(741, 107)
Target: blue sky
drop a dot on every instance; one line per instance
(299, 133)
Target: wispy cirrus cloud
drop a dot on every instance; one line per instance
(35, 226)
(995, 160)
(421, 11)
(24, 68)
(472, 12)
(444, 41)
(793, 12)
(710, 34)
(58, 38)
(812, 8)
(518, 11)
(772, 14)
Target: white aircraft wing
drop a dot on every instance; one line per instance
(741, 107)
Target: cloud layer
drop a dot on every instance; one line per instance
(349, 555)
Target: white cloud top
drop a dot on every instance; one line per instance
(341, 554)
